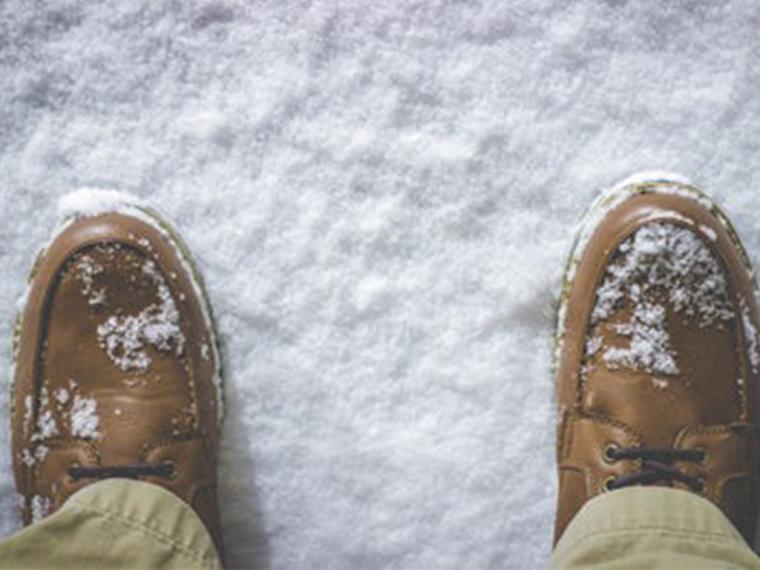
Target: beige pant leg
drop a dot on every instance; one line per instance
(651, 527)
(116, 523)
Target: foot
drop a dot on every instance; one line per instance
(117, 371)
(657, 354)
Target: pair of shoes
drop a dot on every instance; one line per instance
(117, 368)
(658, 358)
(657, 353)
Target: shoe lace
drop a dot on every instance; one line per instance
(655, 466)
(165, 470)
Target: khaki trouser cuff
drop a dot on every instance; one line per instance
(178, 527)
(116, 523)
(651, 527)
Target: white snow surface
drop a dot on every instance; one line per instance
(380, 196)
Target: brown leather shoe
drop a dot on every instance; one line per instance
(657, 353)
(117, 368)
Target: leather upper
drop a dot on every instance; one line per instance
(115, 365)
(673, 365)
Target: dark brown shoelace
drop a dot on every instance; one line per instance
(165, 470)
(655, 466)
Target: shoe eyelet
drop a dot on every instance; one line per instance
(702, 485)
(608, 453)
(72, 465)
(173, 471)
(607, 485)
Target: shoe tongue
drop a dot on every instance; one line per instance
(661, 348)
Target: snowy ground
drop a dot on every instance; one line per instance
(380, 195)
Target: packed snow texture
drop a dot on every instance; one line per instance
(380, 196)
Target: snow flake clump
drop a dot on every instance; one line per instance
(28, 412)
(649, 348)
(660, 263)
(94, 201)
(87, 269)
(125, 338)
(750, 332)
(40, 507)
(31, 459)
(46, 426)
(61, 395)
(84, 418)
